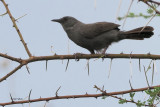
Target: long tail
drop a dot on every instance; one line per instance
(138, 33)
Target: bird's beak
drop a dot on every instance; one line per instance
(56, 20)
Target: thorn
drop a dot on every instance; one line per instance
(110, 68)
(139, 64)
(11, 98)
(130, 85)
(20, 17)
(153, 73)
(57, 91)
(131, 70)
(88, 66)
(67, 65)
(29, 95)
(145, 72)
(46, 64)
(3, 14)
(27, 69)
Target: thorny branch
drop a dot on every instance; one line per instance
(10, 57)
(78, 96)
(10, 73)
(104, 92)
(16, 27)
(151, 1)
(82, 56)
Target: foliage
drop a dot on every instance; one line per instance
(150, 12)
(153, 99)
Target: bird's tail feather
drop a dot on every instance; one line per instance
(138, 33)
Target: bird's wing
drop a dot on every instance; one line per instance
(93, 30)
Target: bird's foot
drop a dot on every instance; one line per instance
(77, 55)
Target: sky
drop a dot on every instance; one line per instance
(47, 38)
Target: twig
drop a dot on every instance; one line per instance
(79, 96)
(127, 13)
(104, 92)
(146, 2)
(148, 22)
(16, 27)
(3, 14)
(158, 3)
(10, 57)
(9, 74)
(119, 6)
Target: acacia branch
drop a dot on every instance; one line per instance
(78, 96)
(151, 1)
(104, 92)
(90, 56)
(10, 73)
(16, 27)
(10, 57)
(82, 56)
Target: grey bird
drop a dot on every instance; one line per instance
(99, 36)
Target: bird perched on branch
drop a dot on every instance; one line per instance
(99, 36)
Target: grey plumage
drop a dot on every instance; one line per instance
(98, 36)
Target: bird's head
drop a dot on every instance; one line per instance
(66, 21)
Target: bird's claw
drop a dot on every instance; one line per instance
(77, 55)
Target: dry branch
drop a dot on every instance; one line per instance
(12, 72)
(82, 56)
(78, 96)
(90, 56)
(16, 27)
(10, 57)
(151, 1)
